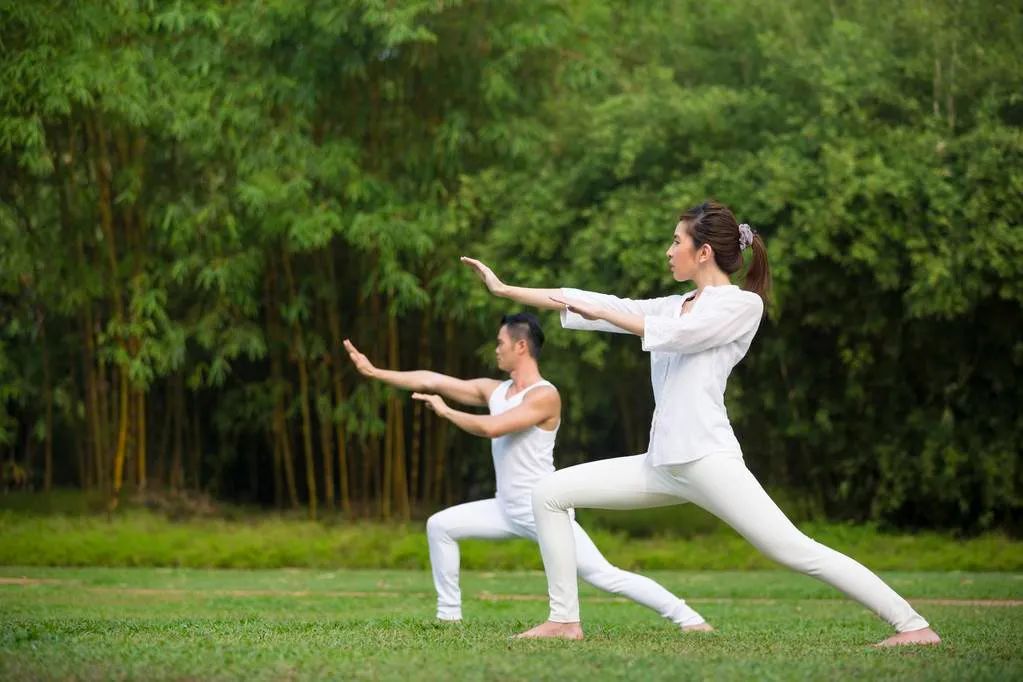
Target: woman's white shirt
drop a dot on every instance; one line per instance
(691, 356)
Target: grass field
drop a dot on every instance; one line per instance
(142, 538)
(169, 623)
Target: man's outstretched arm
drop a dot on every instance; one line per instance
(465, 391)
(539, 406)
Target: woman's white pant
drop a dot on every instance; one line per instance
(722, 485)
(490, 519)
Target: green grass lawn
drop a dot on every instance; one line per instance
(143, 538)
(172, 623)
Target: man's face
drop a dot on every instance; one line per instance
(507, 350)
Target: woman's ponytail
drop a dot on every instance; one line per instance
(758, 276)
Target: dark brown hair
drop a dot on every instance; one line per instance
(525, 326)
(713, 223)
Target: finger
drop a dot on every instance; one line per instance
(565, 304)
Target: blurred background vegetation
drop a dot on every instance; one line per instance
(199, 200)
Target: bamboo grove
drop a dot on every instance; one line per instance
(200, 200)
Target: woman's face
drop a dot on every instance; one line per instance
(683, 259)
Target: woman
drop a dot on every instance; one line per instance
(694, 341)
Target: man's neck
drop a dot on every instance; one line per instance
(524, 376)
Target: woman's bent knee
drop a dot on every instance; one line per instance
(435, 526)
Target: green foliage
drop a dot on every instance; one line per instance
(879, 153)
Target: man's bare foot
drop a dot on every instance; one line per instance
(921, 636)
(552, 630)
(702, 627)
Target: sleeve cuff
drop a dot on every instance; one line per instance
(655, 332)
(570, 320)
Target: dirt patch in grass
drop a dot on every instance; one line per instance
(485, 596)
(29, 581)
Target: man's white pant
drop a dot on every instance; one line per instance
(490, 519)
(722, 485)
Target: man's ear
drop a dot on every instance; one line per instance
(522, 345)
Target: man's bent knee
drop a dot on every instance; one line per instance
(545, 495)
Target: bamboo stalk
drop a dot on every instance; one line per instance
(387, 475)
(177, 473)
(275, 448)
(140, 445)
(280, 422)
(303, 387)
(162, 475)
(398, 437)
(122, 438)
(334, 325)
(417, 412)
(48, 409)
(284, 441)
(196, 443)
(324, 409)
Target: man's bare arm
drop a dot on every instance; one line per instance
(465, 391)
(539, 406)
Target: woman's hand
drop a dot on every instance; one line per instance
(433, 402)
(360, 361)
(483, 271)
(584, 310)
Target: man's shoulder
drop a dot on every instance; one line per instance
(542, 391)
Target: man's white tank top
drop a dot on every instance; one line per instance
(522, 458)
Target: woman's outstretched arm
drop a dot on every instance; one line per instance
(539, 298)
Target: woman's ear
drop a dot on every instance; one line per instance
(706, 253)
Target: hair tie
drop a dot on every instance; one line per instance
(745, 236)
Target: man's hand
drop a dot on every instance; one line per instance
(483, 271)
(360, 361)
(434, 402)
(584, 310)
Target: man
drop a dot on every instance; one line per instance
(525, 413)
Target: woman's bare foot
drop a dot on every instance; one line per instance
(921, 636)
(552, 630)
(702, 627)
